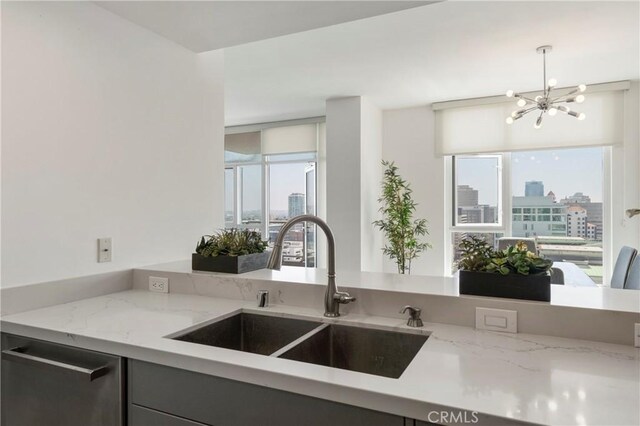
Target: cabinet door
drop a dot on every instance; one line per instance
(55, 385)
(140, 416)
(221, 402)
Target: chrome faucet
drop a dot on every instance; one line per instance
(332, 298)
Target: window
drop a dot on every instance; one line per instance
(477, 197)
(292, 193)
(270, 176)
(542, 190)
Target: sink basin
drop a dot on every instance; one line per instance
(383, 353)
(259, 334)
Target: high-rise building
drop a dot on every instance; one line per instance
(576, 221)
(467, 196)
(577, 198)
(477, 214)
(534, 188)
(538, 216)
(296, 204)
(594, 212)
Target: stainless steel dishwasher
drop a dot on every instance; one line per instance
(46, 384)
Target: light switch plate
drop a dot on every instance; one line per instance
(497, 320)
(159, 284)
(104, 250)
(636, 336)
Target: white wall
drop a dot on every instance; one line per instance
(108, 131)
(408, 140)
(353, 173)
(371, 239)
(343, 179)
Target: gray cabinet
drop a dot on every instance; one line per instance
(55, 385)
(141, 416)
(221, 402)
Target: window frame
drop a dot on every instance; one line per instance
(503, 203)
(608, 200)
(265, 202)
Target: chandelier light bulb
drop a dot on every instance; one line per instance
(552, 111)
(582, 116)
(510, 93)
(509, 120)
(538, 123)
(552, 82)
(538, 98)
(521, 102)
(580, 99)
(582, 87)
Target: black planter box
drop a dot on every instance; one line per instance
(512, 286)
(230, 264)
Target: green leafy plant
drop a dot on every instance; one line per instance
(231, 242)
(401, 231)
(477, 255)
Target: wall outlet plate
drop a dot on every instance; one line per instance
(636, 336)
(104, 250)
(497, 320)
(159, 284)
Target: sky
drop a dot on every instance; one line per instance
(564, 172)
(284, 179)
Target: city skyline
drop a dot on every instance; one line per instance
(565, 172)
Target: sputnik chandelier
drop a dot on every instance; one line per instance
(547, 102)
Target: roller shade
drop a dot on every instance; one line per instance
(242, 147)
(481, 128)
(290, 139)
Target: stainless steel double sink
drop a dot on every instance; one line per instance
(355, 348)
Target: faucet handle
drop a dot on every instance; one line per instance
(414, 316)
(343, 297)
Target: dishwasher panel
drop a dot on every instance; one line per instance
(46, 384)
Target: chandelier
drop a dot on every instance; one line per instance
(548, 102)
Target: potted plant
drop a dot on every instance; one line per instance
(401, 231)
(514, 272)
(230, 250)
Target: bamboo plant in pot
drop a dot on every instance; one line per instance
(403, 234)
(514, 272)
(231, 250)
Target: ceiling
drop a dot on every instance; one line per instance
(208, 25)
(442, 51)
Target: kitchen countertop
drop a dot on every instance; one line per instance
(576, 296)
(504, 377)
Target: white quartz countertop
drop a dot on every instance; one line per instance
(596, 297)
(505, 377)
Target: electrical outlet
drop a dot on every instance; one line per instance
(497, 320)
(159, 284)
(104, 250)
(636, 336)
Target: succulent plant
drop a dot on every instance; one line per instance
(231, 242)
(478, 255)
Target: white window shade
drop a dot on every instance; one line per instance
(481, 128)
(242, 147)
(243, 143)
(290, 139)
